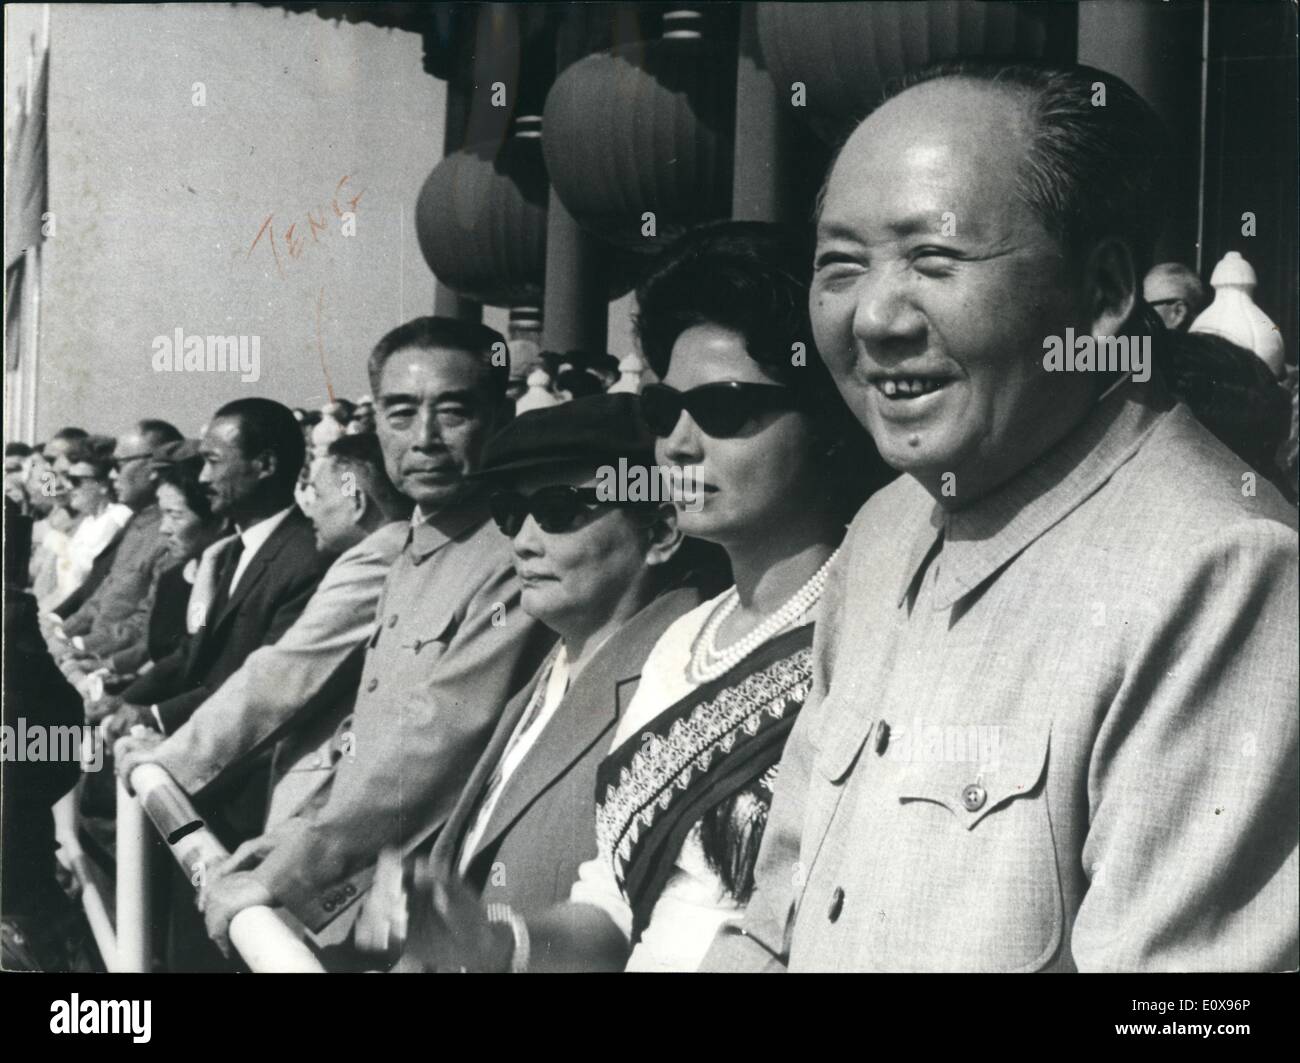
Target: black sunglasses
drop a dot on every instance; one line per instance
(721, 410)
(555, 508)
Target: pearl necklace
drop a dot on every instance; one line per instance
(708, 662)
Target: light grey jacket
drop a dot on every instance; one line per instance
(1063, 737)
(311, 670)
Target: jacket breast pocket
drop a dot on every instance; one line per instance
(974, 770)
(979, 880)
(839, 734)
(416, 636)
(431, 635)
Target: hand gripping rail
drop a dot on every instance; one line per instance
(266, 944)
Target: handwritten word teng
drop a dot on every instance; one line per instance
(294, 239)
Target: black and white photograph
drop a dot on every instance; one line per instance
(652, 487)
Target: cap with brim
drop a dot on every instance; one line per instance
(595, 430)
(175, 453)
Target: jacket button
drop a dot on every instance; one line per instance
(372, 686)
(973, 797)
(392, 620)
(882, 738)
(837, 904)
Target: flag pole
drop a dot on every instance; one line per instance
(36, 259)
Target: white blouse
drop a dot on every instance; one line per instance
(694, 904)
(90, 539)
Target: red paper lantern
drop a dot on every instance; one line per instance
(481, 221)
(846, 54)
(643, 128)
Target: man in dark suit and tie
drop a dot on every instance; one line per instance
(252, 454)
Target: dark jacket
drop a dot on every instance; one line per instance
(273, 590)
(166, 630)
(544, 822)
(36, 695)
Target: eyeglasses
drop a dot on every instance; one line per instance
(126, 459)
(555, 508)
(77, 481)
(722, 410)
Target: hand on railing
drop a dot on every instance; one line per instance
(236, 907)
(247, 856)
(224, 897)
(126, 718)
(102, 709)
(139, 747)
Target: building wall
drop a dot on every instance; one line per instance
(158, 203)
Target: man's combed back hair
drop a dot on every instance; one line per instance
(364, 457)
(1092, 170)
(71, 434)
(158, 433)
(430, 333)
(266, 425)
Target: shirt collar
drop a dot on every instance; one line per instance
(431, 532)
(255, 537)
(983, 537)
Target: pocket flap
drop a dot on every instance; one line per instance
(435, 624)
(841, 733)
(977, 769)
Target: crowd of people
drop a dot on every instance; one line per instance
(954, 663)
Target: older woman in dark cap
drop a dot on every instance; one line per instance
(609, 576)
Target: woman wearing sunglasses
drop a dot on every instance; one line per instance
(90, 497)
(746, 410)
(608, 576)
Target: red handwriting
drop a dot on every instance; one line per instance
(293, 241)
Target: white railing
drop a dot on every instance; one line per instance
(261, 937)
(92, 882)
(264, 941)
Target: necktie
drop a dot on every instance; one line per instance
(228, 567)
